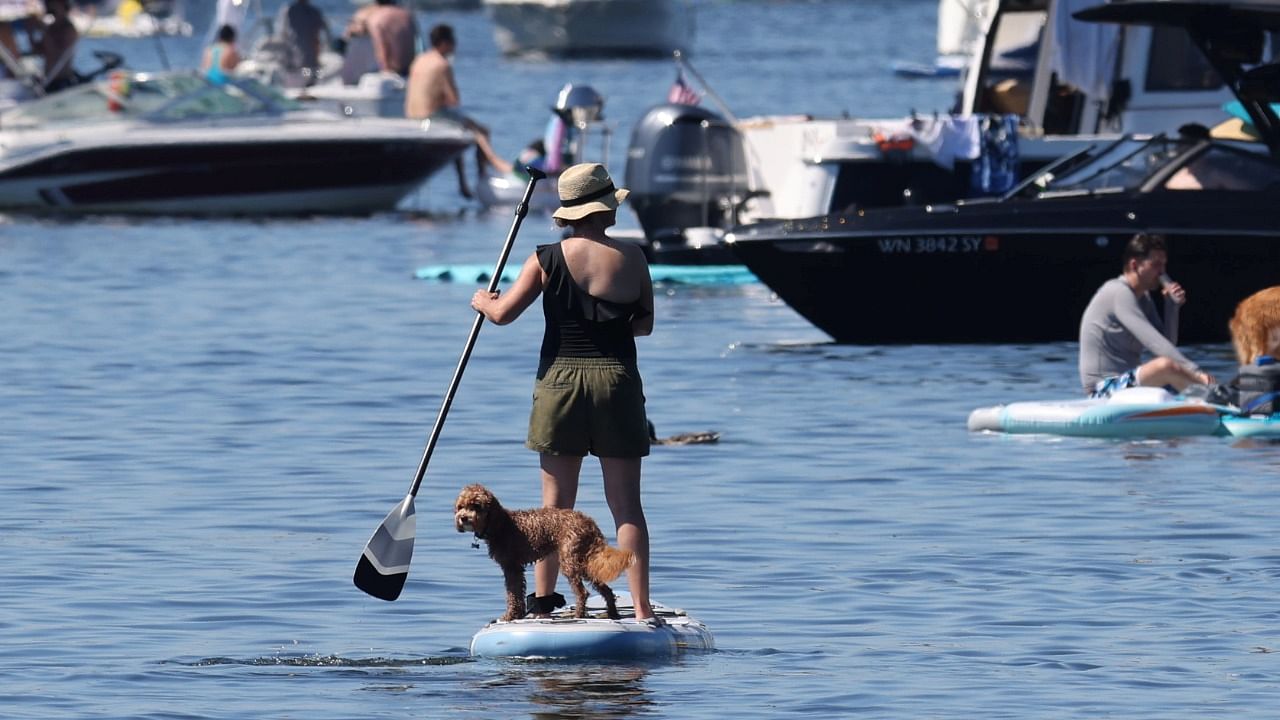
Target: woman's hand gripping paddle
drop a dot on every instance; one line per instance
(384, 565)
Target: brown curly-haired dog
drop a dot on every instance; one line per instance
(517, 538)
(1255, 327)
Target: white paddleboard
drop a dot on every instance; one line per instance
(596, 636)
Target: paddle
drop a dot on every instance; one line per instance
(384, 565)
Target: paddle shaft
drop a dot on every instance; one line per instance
(522, 209)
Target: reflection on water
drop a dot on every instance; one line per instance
(579, 692)
(325, 661)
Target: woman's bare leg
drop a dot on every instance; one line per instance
(559, 489)
(622, 491)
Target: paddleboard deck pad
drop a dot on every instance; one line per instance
(563, 636)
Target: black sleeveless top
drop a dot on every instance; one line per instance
(579, 324)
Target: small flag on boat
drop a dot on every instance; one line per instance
(681, 93)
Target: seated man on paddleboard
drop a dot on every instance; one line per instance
(1121, 321)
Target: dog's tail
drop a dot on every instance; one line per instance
(607, 563)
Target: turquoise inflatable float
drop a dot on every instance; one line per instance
(666, 274)
(1129, 413)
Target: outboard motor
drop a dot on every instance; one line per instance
(686, 168)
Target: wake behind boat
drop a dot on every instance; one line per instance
(175, 143)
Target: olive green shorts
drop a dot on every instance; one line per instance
(588, 405)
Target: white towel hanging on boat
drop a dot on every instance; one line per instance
(951, 137)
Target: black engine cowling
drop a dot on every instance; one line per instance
(685, 168)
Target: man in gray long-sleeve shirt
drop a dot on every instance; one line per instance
(1121, 321)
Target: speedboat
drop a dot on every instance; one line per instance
(1023, 266)
(1038, 85)
(591, 27)
(176, 143)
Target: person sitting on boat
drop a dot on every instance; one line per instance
(299, 27)
(55, 42)
(221, 58)
(432, 92)
(1121, 321)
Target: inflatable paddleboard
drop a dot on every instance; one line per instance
(1253, 426)
(681, 274)
(564, 637)
(1132, 412)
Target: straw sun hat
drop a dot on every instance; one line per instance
(586, 189)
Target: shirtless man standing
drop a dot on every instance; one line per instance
(394, 34)
(432, 92)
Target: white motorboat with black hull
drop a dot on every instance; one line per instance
(176, 143)
(1021, 268)
(1126, 79)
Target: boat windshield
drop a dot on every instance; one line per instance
(157, 97)
(1223, 167)
(1123, 165)
(1163, 163)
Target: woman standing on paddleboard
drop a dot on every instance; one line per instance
(588, 397)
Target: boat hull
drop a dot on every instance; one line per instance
(284, 176)
(984, 273)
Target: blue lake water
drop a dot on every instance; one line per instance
(201, 422)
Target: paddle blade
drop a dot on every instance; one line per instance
(384, 565)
